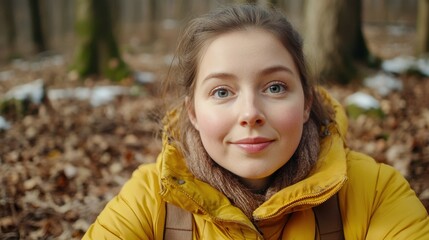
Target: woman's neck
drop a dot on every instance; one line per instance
(256, 186)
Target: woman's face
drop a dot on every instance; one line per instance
(248, 104)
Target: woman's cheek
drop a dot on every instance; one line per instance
(212, 124)
(289, 120)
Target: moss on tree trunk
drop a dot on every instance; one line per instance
(97, 51)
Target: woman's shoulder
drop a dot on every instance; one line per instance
(360, 165)
(362, 178)
(371, 183)
(377, 202)
(363, 170)
(380, 201)
(141, 191)
(143, 182)
(359, 162)
(145, 171)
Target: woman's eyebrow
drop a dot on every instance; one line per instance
(219, 75)
(266, 71)
(276, 68)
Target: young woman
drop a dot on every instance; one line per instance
(251, 147)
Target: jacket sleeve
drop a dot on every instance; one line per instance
(133, 213)
(397, 213)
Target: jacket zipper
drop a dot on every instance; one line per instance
(303, 202)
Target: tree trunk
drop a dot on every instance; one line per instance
(7, 6)
(97, 52)
(154, 21)
(333, 38)
(38, 33)
(422, 27)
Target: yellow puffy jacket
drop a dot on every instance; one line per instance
(376, 201)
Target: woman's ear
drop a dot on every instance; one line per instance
(307, 113)
(307, 109)
(191, 112)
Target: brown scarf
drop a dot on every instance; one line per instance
(207, 170)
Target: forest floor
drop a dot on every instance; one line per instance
(62, 162)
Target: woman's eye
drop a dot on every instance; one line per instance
(221, 93)
(276, 88)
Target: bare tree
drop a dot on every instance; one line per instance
(422, 27)
(153, 20)
(38, 30)
(333, 38)
(97, 52)
(9, 20)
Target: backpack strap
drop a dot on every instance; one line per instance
(328, 219)
(178, 223)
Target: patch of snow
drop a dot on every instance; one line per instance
(145, 77)
(383, 83)
(362, 100)
(33, 91)
(399, 64)
(403, 64)
(104, 94)
(4, 125)
(96, 96)
(82, 93)
(423, 66)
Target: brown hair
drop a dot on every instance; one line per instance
(197, 33)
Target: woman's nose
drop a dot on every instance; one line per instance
(251, 114)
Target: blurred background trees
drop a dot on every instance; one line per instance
(67, 146)
(95, 38)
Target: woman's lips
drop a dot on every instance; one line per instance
(253, 145)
